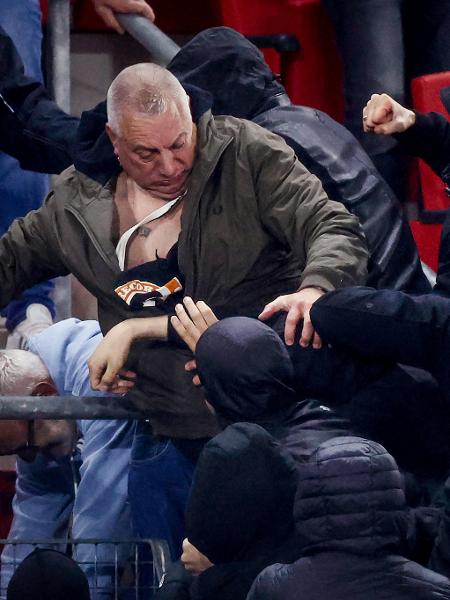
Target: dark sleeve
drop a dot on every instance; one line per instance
(440, 556)
(30, 252)
(347, 174)
(176, 584)
(423, 526)
(429, 139)
(33, 129)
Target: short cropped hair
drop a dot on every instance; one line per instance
(146, 89)
(20, 371)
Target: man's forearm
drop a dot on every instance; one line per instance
(154, 328)
(429, 139)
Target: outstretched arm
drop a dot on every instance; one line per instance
(33, 129)
(425, 135)
(107, 363)
(325, 238)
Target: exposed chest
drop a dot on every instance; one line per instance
(152, 238)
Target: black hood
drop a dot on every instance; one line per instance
(246, 371)
(94, 154)
(350, 498)
(241, 496)
(48, 574)
(232, 69)
(219, 69)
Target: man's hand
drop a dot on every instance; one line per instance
(193, 560)
(106, 364)
(13, 435)
(190, 366)
(382, 114)
(56, 438)
(297, 306)
(106, 9)
(192, 320)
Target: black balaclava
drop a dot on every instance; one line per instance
(241, 503)
(246, 370)
(48, 575)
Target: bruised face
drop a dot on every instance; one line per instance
(157, 151)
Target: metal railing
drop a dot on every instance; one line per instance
(137, 576)
(161, 47)
(69, 407)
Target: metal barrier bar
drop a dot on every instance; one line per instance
(69, 407)
(154, 566)
(160, 46)
(59, 38)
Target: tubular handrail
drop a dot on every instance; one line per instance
(70, 407)
(59, 59)
(160, 46)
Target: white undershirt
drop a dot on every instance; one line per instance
(121, 248)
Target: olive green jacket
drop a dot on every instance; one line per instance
(255, 224)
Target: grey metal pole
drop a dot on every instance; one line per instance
(59, 37)
(160, 46)
(69, 407)
(58, 63)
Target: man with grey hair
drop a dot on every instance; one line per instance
(45, 498)
(22, 373)
(216, 208)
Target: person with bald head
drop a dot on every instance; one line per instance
(45, 505)
(189, 204)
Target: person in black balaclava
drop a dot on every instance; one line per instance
(239, 514)
(48, 575)
(248, 376)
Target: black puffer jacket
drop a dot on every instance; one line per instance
(233, 71)
(350, 512)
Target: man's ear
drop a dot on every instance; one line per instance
(110, 133)
(45, 388)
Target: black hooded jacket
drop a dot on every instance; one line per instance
(350, 512)
(223, 63)
(234, 72)
(248, 375)
(240, 514)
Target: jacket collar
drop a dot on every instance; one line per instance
(93, 204)
(211, 144)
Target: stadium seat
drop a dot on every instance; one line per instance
(434, 200)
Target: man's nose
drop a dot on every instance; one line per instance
(168, 166)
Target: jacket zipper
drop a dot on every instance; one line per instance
(92, 238)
